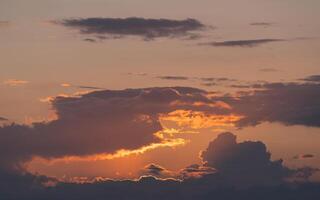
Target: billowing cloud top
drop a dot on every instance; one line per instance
(134, 26)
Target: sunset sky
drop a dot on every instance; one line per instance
(178, 90)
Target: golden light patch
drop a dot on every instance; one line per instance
(65, 85)
(200, 120)
(121, 153)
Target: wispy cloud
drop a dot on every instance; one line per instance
(242, 43)
(264, 24)
(268, 70)
(178, 78)
(15, 82)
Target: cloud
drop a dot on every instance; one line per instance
(89, 40)
(304, 156)
(178, 78)
(244, 164)
(15, 82)
(287, 103)
(80, 86)
(313, 78)
(264, 24)
(242, 43)
(105, 124)
(157, 171)
(3, 119)
(196, 171)
(268, 70)
(4, 23)
(215, 81)
(148, 29)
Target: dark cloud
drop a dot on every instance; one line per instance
(100, 122)
(152, 188)
(154, 169)
(287, 103)
(242, 43)
(313, 78)
(178, 78)
(233, 161)
(146, 28)
(157, 171)
(244, 164)
(196, 171)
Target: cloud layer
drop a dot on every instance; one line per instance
(237, 164)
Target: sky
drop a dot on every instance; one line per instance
(179, 94)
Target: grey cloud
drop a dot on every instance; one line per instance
(146, 28)
(287, 103)
(242, 43)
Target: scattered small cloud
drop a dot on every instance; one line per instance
(268, 70)
(264, 24)
(242, 43)
(89, 40)
(178, 78)
(303, 156)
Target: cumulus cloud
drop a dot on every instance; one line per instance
(243, 43)
(244, 164)
(148, 29)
